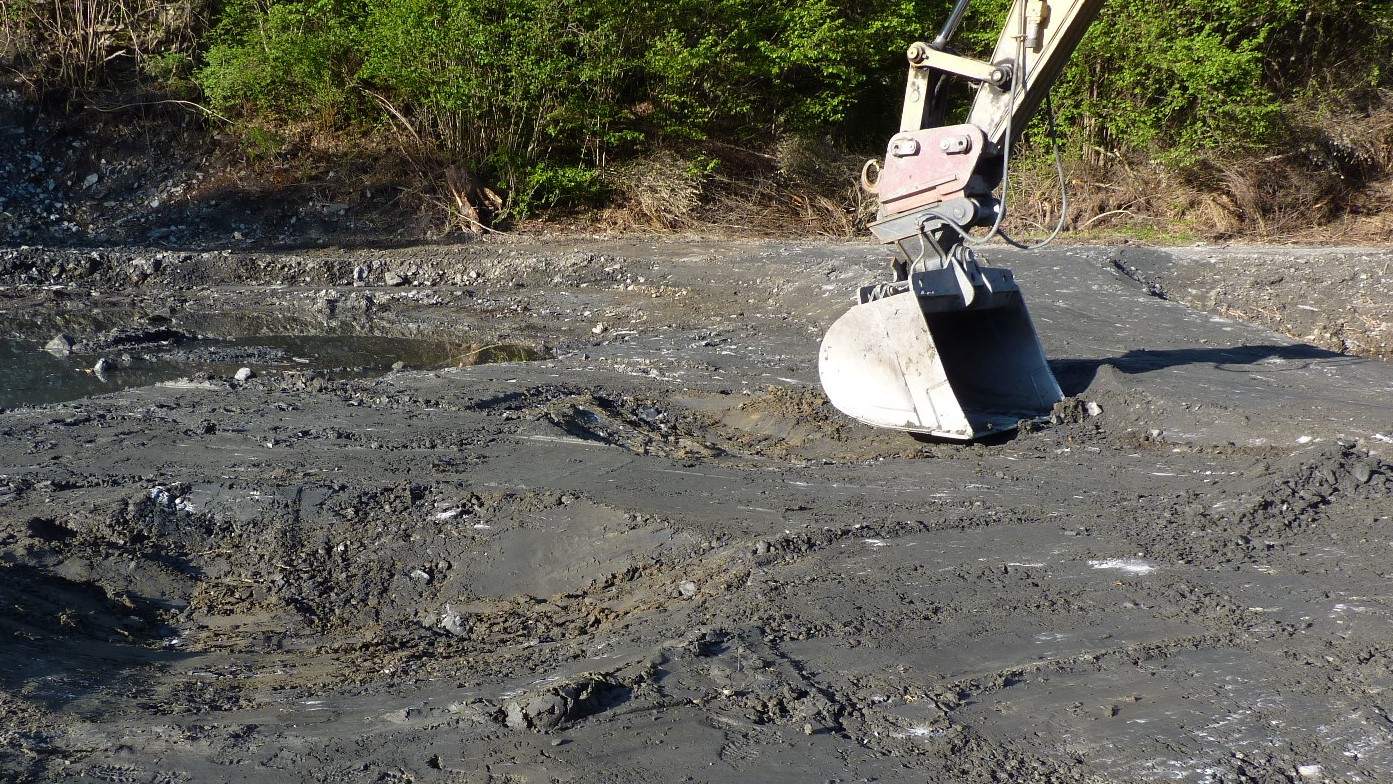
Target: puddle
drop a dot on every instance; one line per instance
(31, 376)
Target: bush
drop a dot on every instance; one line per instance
(285, 59)
(539, 97)
(1178, 80)
(509, 85)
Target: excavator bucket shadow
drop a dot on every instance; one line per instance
(931, 365)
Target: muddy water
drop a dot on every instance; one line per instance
(29, 375)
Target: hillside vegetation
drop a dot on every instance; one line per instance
(1259, 118)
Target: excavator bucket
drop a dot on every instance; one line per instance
(937, 365)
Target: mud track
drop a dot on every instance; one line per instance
(659, 555)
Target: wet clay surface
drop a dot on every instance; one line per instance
(658, 554)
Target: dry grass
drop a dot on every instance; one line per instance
(76, 43)
(796, 188)
(659, 192)
(1335, 183)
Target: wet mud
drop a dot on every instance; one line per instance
(654, 551)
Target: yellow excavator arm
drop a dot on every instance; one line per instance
(946, 347)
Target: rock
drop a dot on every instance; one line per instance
(393, 278)
(546, 711)
(1362, 472)
(398, 365)
(599, 329)
(688, 589)
(244, 374)
(453, 622)
(103, 367)
(513, 717)
(60, 346)
(578, 696)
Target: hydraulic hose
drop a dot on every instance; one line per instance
(959, 11)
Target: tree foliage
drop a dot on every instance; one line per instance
(533, 93)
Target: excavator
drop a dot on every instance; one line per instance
(946, 348)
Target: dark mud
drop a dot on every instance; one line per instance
(658, 554)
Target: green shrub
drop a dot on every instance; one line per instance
(530, 94)
(547, 186)
(285, 59)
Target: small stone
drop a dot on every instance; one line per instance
(688, 589)
(393, 278)
(599, 329)
(245, 374)
(60, 346)
(453, 622)
(1093, 408)
(398, 365)
(513, 716)
(103, 366)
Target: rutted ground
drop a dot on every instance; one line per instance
(659, 554)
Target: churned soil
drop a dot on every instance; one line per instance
(656, 552)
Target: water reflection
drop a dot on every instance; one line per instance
(31, 376)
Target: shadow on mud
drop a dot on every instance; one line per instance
(66, 641)
(1077, 375)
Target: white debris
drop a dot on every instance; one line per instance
(453, 622)
(60, 346)
(1129, 565)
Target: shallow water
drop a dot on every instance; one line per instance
(31, 376)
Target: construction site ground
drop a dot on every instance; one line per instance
(658, 554)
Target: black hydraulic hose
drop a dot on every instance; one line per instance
(951, 25)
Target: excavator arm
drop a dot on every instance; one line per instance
(946, 347)
(929, 164)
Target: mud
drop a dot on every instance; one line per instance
(655, 552)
